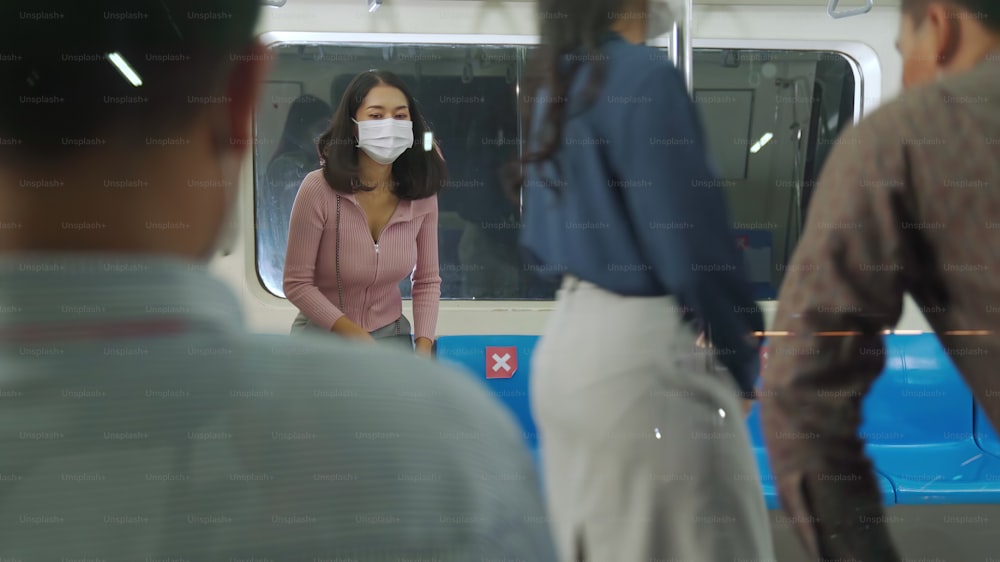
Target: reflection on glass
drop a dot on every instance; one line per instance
(469, 93)
(771, 118)
(294, 156)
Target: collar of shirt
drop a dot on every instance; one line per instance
(59, 297)
(610, 35)
(404, 212)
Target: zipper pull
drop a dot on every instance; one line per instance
(376, 247)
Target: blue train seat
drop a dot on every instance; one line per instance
(506, 376)
(917, 422)
(919, 427)
(918, 418)
(767, 476)
(755, 429)
(986, 435)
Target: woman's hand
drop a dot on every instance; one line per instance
(348, 329)
(700, 342)
(745, 405)
(424, 346)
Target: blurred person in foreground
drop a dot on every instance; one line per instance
(139, 419)
(646, 451)
(921, 179)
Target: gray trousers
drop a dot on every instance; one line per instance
(644, 449)
(396, 334)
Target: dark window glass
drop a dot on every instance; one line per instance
(770, 116)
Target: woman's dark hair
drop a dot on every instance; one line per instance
(305, 112)
(571, 34)
(338, 86)
(418, 173)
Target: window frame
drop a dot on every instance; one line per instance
(861, 58)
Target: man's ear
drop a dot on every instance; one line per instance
(943, 22)
(244, 86)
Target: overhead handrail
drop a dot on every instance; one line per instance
(679, 46)
(832, 9)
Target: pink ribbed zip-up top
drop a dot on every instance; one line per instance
(370, 271)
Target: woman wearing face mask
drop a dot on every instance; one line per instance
(644, 445)
(367, 220)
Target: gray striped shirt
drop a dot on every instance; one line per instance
(139, 421)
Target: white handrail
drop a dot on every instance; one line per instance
(832, 9)
(680, 48)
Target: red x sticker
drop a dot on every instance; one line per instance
(501, 362)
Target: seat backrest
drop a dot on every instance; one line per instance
(918, 399)
(503, 364)
(986, 435)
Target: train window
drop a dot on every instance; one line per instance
(469, 97)
(771, 117)
(774, 115)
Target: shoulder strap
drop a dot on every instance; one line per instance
(340, 286)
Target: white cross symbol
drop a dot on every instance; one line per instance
(501, 362)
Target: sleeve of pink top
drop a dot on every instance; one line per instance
(427, 276)
(305, 230)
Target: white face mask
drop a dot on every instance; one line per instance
(661, 19)
(383, 140)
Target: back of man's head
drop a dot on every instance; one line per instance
(986, 11)
(941, 37)
(117, 107)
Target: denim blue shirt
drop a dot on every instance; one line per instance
(636, 207)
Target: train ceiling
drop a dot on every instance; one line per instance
(844, 4)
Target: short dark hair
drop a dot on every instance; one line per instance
(418, 173)
(60, 79)
(987, 12)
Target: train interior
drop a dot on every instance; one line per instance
(775, 81)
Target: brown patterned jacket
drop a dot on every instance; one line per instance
(908, 202)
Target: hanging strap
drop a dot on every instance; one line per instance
(340, 286)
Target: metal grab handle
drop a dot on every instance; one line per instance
(832, 9)
(674, 47)
(680, 47)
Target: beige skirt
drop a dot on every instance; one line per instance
(644, 448)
